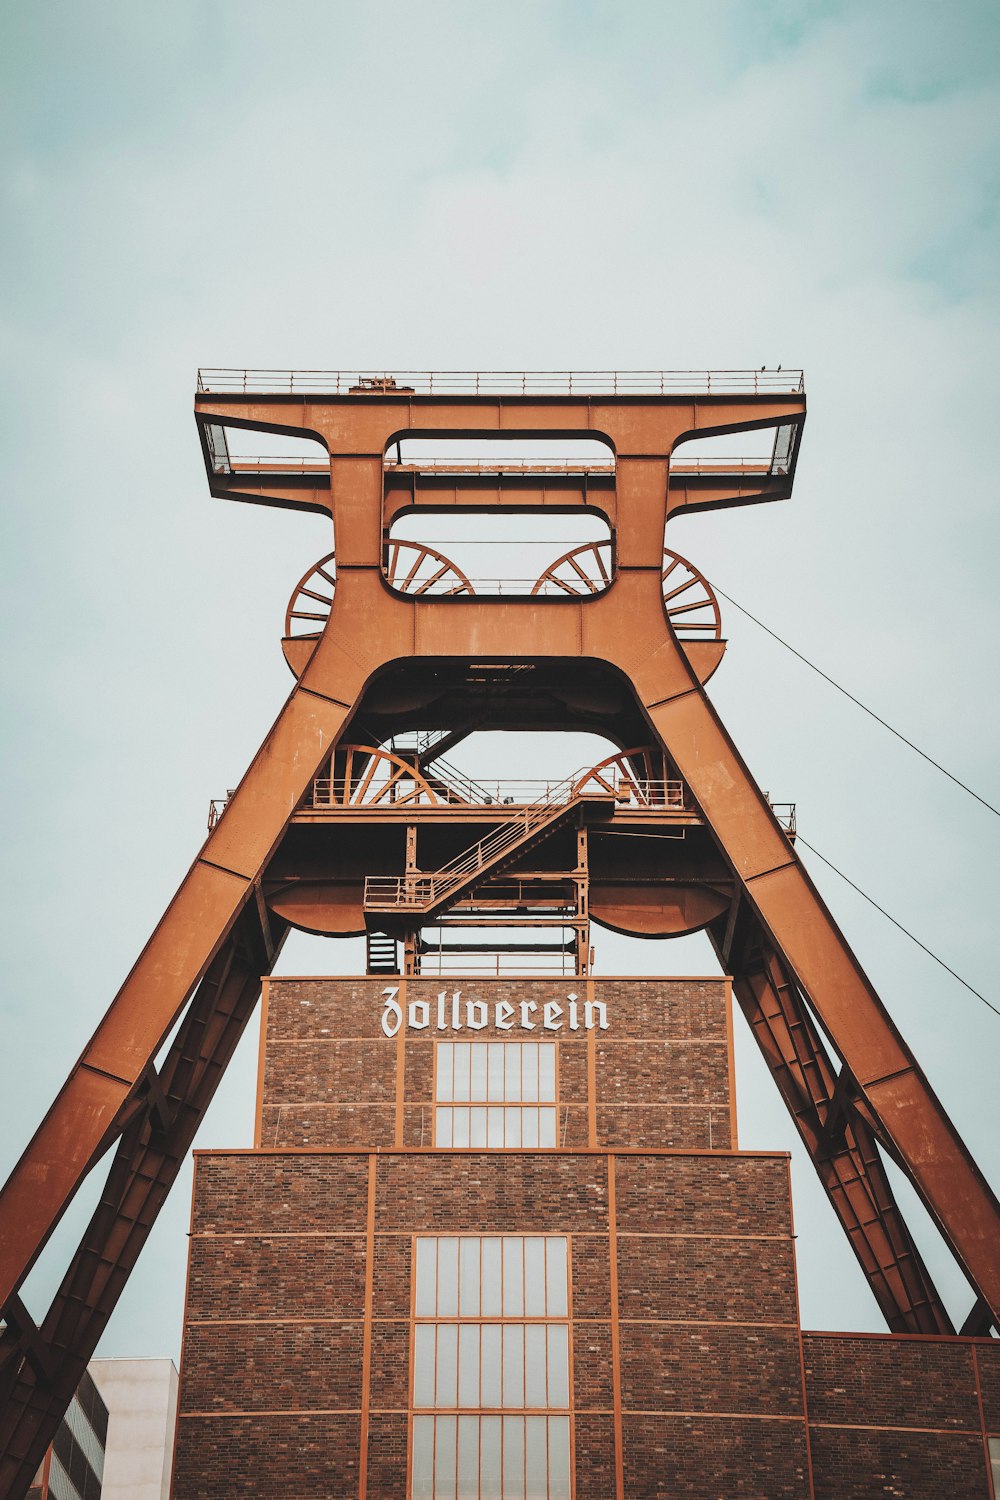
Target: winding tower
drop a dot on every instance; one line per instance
(352, 819)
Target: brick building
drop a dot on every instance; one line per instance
(498, 1239)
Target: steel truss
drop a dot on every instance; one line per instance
(189, 997)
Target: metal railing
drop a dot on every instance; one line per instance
(417, 891)
(785, 814)
(513, 792)
(501, 382)
(319, 463)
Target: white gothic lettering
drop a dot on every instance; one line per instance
(453, 1013)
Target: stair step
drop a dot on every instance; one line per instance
(383, 953)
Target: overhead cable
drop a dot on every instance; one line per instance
(870, 711)
(912, 936)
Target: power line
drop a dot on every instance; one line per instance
(913, 938)
(870, 711)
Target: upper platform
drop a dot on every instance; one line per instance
(676, 419)
(533, 383)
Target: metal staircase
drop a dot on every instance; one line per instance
(423, 896)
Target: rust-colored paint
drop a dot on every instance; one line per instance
(224, 926)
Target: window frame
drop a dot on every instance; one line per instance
(480, 1320)
(554, 1104)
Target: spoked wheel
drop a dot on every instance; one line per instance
(691, 604)
(584, 570)
(411, 568)
(368, 776)
(309, 606)
(640, 777)
(414, 569)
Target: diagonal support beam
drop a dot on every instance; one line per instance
(840, 1144)
(38, 1378)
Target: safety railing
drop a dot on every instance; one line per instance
(785, 814)
(514, 792)
(500, 382)
(418, 891)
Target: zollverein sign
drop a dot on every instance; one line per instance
(452, 1013)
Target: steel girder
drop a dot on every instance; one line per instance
(800, 960)
(41, 1368)
(840, 1141)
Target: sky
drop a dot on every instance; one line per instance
(540, 185)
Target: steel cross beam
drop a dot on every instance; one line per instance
(839, 1140)
(371, 627)
(157, 1128)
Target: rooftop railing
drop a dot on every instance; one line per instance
(501, 382)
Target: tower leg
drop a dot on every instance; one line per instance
(216, 914)
(893, 1094)
(157, 1135)
(839, 1141)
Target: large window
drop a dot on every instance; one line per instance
(495, 1094)
(491, 1368)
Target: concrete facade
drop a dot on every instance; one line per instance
(690, 1373)
(141, 1397)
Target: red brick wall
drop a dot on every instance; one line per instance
(273, 1374)
(896, 1416)
(662, 1069)
(687, 1355)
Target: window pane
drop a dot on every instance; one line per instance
(491, 1278)
(529, 1127)
(490, 1365)
(447, 1277)
(442, 1127)
(460, 1125)
(513, 1458)
(477, 1125)
(444, 1059)
(556, 1279)
(529, 1070)
(558, 1340)
(423, 1364)
(424, 1277)
(494, 1127)
(478, 1085)
(489, 1457)
(512, 1071)
(534, 1277)
(468, 1364)
(468, 1458)
(513, 1364)
(559, 1487)
(444, 1458)
(468, 1282)
(513, 1276)
(512, 1125)
(536, 1458)
(461, 1070)
(423, 1458)
(494, 1078)
(547, 1127)
(534, 1365)
(547, 1071)
(447, 1365)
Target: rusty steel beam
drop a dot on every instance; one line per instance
(40, 1368)
(839, 1141)
(804, 975)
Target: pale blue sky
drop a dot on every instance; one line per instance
(462, 185)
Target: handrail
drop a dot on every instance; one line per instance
(501, 382)
(427, 889)
(517, 793)
(249, 463)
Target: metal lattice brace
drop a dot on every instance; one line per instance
(839, 1141)
(40, 1368)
